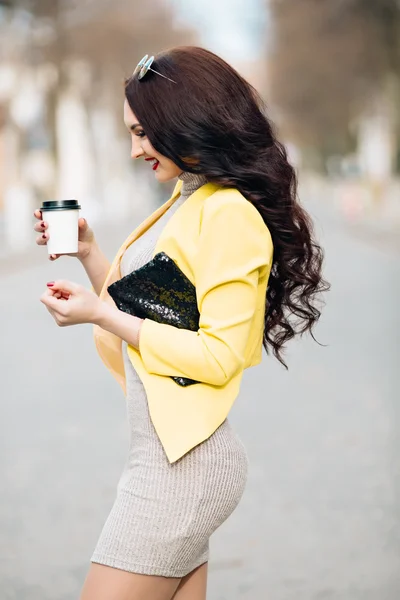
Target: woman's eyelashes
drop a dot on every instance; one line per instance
(140, 134)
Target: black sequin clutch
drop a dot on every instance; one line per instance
(159, 291)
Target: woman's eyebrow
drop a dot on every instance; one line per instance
(133, 127)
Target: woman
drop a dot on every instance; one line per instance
(234, 227)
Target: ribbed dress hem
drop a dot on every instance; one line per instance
(117, 563)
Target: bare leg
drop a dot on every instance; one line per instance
(107, 583)
(194, 585)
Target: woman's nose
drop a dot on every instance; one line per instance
(136, 151)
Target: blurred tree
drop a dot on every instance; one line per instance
(110, 35)
(328, 60)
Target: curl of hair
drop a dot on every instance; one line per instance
(211, 121)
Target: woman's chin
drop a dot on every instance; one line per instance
(163, 176)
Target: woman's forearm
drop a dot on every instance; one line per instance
(124, 326)
(96, 266)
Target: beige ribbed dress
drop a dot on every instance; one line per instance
(164, 514)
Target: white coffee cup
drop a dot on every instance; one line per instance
(61, 217)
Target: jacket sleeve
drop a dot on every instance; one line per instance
(234, 247)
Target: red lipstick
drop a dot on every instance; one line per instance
(154, 167)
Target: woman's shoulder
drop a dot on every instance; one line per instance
(230, 199)
(230, 205)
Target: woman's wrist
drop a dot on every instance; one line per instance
(96, 266)
(92, 249)
(127, 327)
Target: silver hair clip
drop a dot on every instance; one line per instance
(144, 65)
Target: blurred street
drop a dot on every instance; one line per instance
(320, 518)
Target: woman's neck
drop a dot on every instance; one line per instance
(191, 182)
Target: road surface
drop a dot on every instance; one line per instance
(320, 518)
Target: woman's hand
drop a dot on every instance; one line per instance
(86, 238)
(71, 304)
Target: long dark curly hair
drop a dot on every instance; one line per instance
(209, 120)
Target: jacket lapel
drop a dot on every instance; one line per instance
(108, 345)
(114, 272)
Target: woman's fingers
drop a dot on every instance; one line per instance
(41, 240)
(42, 226)
(61, 295)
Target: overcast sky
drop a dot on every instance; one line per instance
(232, 28)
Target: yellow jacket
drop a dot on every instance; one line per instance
(219, 240)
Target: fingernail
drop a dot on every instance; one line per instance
(42, 224)
(50, 283)
(44, 236)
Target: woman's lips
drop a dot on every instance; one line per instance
(156, 163)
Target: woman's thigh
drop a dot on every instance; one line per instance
(194, 585)
(107, 583)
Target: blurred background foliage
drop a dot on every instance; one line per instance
(334, 65)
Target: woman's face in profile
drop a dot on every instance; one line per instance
(164, 169)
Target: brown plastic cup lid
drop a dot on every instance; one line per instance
(60, 205)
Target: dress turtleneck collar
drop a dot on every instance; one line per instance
(191, 182)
